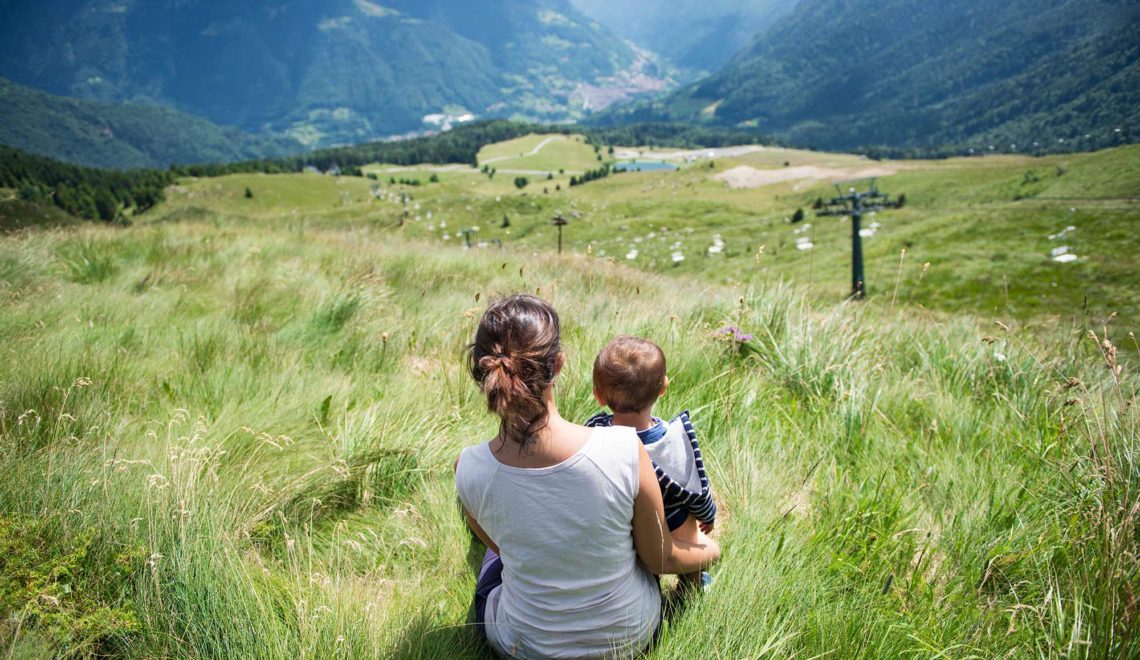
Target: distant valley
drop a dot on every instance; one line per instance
(698, 36)
(173, 82)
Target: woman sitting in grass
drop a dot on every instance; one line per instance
(565, 511)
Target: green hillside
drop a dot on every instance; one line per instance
(229, 430)
(122, 136)
(17, 213)
(81, 192)
(117, 194)
(975, 230)
(540, 153)
(1018, 75)
(326, 73)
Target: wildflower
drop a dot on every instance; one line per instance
(733, 332)
(632, 254)
(678, 257)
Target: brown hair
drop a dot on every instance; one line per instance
(513, 359)
(629, 374)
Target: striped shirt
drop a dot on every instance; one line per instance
(679, 467)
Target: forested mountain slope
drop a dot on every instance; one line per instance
(122, 136)
(844, 73)
(324, 71)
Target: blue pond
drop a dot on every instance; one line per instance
(643, 166)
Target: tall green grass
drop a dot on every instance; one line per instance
(231, 439)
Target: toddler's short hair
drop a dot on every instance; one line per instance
(629, 374)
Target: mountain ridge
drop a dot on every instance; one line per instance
(841, 75)
(324, 73)
(122, 136)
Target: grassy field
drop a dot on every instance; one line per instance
(545, 153)
(976, 232)
(228, 430)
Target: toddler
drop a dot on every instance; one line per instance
(629, 377)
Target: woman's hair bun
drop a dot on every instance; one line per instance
(499, 361)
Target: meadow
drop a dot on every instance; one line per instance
(540, 153)
(976, 234)
(228, 430)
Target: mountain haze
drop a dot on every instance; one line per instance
(324, 71)
(843, 73)
(696, 35)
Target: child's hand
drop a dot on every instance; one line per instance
(707, 528)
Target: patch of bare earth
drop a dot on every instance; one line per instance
(745, 176)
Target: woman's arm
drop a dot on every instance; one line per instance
(471, 520)
(479, 531)
(651, 538)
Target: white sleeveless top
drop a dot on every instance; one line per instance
(572, 585)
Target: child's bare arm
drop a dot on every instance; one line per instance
(689, 532)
